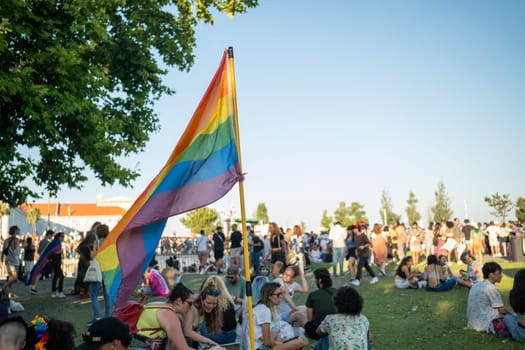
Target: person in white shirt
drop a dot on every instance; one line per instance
(203, 243)
(337, 237)
(484, 303)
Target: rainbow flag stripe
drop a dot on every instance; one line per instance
(202, 168)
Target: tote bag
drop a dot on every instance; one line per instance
(93, 273)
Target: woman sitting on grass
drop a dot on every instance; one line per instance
(436, 279)
(212, 319)
(473, 272)
(264, 313)
(405, 277)
(516, 323)
(348, 328)
(159, 322)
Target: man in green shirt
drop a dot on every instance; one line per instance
(319, 303)
(235, 283)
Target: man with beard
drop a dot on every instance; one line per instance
(319, 303)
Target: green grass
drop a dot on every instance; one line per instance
(438, 322)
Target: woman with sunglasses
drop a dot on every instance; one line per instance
(212, 320)
(264, 314)
(159, 322)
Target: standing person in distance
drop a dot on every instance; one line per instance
(337, 237)
(29, 255)
(203, 243)
(218, 248)
(363, 251)
(235, 247)
(101, 232)
(11, 256)
(57, 284)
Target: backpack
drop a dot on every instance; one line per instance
(130, 314)
(5, 251)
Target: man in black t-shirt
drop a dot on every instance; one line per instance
(466, 230)
(235, 247)
(218, 248)
(257, 248)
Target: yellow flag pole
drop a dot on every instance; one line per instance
(241, 195)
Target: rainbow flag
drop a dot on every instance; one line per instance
(53, 247)
(202, 168)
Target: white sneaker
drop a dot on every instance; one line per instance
(356, 283)
(422, 284)
(54, 295)
(61, 295)
(374, 280)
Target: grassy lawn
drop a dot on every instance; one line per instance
(437, 323)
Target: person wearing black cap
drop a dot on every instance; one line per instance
(106, 333)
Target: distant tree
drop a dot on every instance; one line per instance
(387, 207)
(520, 208)
(80, 81)
(357, 212)
(32, 217)
(326, 220)
(501, 204)
(441, 209)
(303, 226)
(342, 214)
(201, 219)
(261, 213)
(411, 210)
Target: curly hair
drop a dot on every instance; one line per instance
(213, 286)
(517, 293)
(61, 335)
(348, 301)
(179, 291)
(215, 282)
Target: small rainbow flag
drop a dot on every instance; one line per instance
(202, 168)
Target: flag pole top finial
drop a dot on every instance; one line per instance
(230, 52)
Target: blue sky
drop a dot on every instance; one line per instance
(339, 100)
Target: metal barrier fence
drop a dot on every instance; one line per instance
(69, 265)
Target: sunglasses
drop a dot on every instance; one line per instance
(277, 294)
(213, 292)
(190, 303)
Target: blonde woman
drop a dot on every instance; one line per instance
(212, 320)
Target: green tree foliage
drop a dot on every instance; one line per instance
(441, 209)
(342, 214)
(261, 213)
(411, 210)
(32, 217)
(78, 83)
(501, 204)
(201, 219)
(326, 220)
(357, 212)
(387, 207)
(520, 208)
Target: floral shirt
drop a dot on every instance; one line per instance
(484, 299)
(346, 332)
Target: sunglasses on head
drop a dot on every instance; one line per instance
(213, 292)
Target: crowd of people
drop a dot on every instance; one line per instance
(215, 315)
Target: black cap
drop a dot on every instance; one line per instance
(105, 331)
